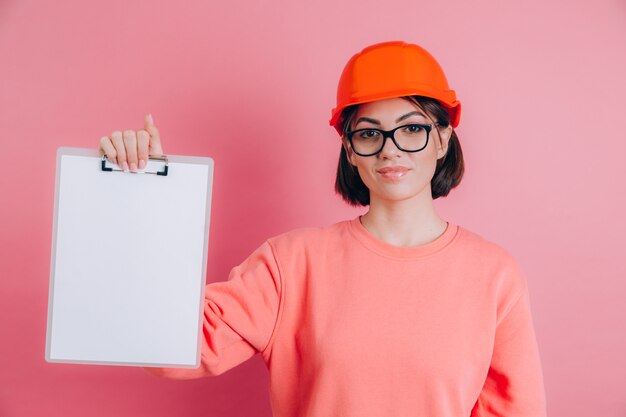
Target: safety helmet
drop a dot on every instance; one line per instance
(393, 69)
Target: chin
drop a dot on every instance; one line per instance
(396, 196)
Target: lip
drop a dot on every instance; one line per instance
(393, 173)
(395, 169)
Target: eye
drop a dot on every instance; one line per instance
(368, 134)
(413, 128)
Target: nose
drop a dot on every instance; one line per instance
(389, 150)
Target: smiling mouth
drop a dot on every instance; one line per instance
(393, 174)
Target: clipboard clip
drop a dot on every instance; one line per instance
(162, 158)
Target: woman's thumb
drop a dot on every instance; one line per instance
(155, 138)
(148, 121)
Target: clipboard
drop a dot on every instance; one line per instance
(128, 260)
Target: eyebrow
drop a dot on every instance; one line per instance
(401, 118)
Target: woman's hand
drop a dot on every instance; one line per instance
(130, 149)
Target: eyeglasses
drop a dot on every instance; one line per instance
(409, 138)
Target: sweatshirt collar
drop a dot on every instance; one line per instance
(401, 252)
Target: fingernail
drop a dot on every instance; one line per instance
(125, 166)
(133, 167)
(150, 118)
(142, 164)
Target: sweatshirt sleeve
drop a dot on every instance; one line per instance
(239, 316)
(514, 385)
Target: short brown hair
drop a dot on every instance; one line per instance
(448, 172)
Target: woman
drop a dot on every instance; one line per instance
(396, 312)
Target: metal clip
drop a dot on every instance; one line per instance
(162, 158)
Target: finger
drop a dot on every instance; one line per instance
(118, 142)
(143, 142)
(107, 148)
(130, 141)
(155, 137)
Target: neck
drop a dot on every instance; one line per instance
(410, 222)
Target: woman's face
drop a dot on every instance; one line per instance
(418, 168)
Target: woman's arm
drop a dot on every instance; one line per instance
(514, 385)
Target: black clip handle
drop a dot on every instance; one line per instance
(162, 158)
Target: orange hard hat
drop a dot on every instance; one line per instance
(393, 69)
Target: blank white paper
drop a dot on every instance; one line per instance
(129, 262)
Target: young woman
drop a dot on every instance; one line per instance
(396, 312)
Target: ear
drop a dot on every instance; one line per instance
(444, 138)
(349, 154)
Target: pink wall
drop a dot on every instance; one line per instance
(251, 85)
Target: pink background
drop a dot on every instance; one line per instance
(251, 84)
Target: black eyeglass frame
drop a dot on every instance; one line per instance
(389, 134)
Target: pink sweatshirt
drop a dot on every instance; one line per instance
(352, 326)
